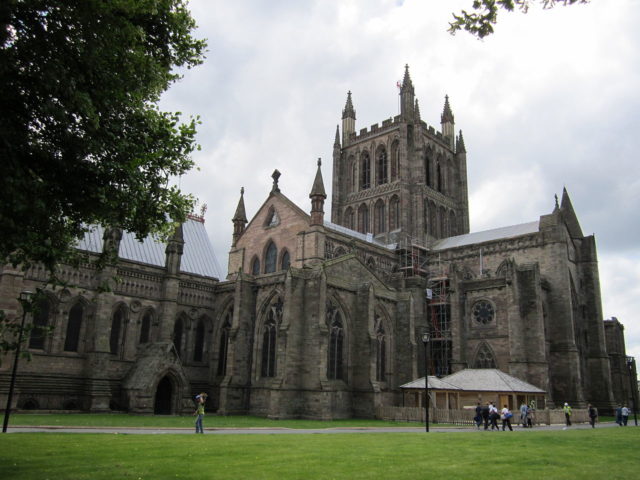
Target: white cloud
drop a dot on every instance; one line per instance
(550, 100)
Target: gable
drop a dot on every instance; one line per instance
(349, 272)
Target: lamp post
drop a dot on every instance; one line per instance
(24, 301)
(425, 340)
(633, 383)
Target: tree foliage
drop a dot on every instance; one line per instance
(82, 140)
(480, 22)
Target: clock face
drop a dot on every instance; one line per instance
(483, 312)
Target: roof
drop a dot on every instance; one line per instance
(487, 235)
(198, 257)
(477, 380)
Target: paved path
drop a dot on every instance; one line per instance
(287, 431)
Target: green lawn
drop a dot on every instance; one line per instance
(586, 454)
(166, 421)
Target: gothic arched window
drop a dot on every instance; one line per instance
(381, 166)
(40, 321)
(439, 183)
(145, 328)
(255, 266)
(336, 340)
(453, 228)
(381, 352)
(178, 329)
(117, 330)
(352, 179)
(363, 219)
(285, 262)
(365, 171)
(349, 218)
(395, 161)
(427, 169)
(484, 358)
(433, 220)
(74, 323)
(198, 346)
(394, 213)
(224, 343)
(270, 258)
(379, 217)
(269, 348)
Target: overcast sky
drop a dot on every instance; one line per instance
(551, 100)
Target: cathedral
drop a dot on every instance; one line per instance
(322, 318)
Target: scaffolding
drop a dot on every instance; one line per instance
(412, 258)
(438, 313)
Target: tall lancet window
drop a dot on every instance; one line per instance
(365, 171)
(363, 219)
(381, 166)
(335, 369)
(198, 347)
(379, 218)
(74, 323)
(269, 339)
(224, 343)
(394, 213)
(395, 161)
(381, 351)
(270, 259)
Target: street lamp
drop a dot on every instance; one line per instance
(633, 383)
(24, 301)
(425, 340)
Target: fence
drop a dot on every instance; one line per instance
(465, 417)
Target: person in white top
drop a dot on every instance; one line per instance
(506, 415)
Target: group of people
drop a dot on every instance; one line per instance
(489, 414)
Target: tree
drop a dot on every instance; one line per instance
(82, 140)
(481, 24)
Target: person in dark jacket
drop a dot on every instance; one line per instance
(593, 415)
(485, 415)
(478, 417)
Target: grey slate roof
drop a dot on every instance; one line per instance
(487, 235)
(477, 380)
(198, 256)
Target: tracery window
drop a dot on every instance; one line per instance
(381, 166)
(381, 351)
(40, 322)
(74, 323)
(117, 326)
(224, 343)
(484, 358)
(365, 171)
(177, 335)
(394, 213)
(198, 347)
(483, 312)
(255, 266)
(286, 261)
(379, 218)
(270, 258)
(145, 328)
(363, 219)
(336, 340)
(269, 339)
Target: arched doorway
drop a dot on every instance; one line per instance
(164, 392)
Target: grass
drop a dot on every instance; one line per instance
(586, 454)
(167, 421)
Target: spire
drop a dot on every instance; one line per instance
(460, 148)
(407, 98)
(407, 84)
(317, 197)
(417, 107)
(348, 111)
(336, 142)
(240, 212)
(239, 219)
(447, 114)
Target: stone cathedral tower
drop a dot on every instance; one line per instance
(402, 180)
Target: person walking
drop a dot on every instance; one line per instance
(200, 400)
(593, 415)
(619, 415)
(567, 415)
(486, 412)
(625, 415)
(478, 417)
(523, 414)
(506, 415)
(493, 416)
